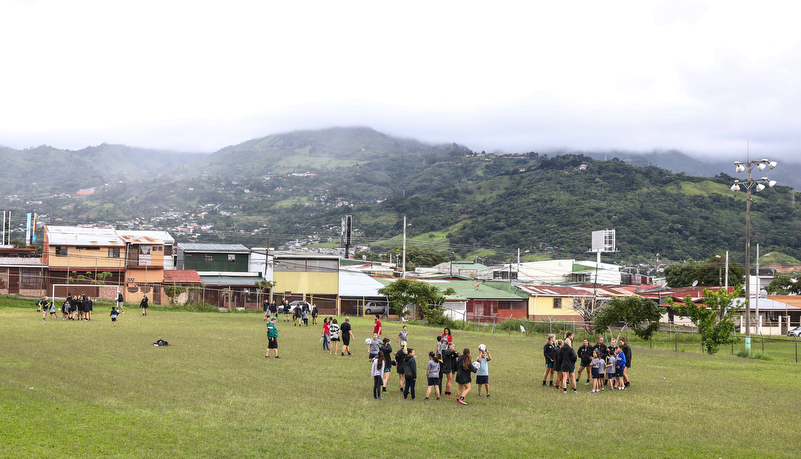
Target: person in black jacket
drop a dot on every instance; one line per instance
(585, 356)
(410, 373)
(549, 351)
(463, 376)
(386, 349)
(601, 347)
(569, 358)
(627, 353)
(557, 364)
(449, 359)
(400, 358)
(143, 305)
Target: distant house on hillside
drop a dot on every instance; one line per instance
(85, 191)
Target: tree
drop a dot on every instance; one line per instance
(264, 286)
(173, 291)
(708, 273)
(588, 308)
(785, 285)
(713, 318)
(638, 314)
(97, 279)
(406, 291)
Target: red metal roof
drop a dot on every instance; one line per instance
(181, 276)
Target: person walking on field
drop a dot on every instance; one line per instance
(44, 308)
(272, 338)
(432, 374)
(347, 335)
(114, 314)
(335, 333)
(120, 303)
(377, 372)
(378, 327)
(326, 333)
(463, 377)
(143, 305)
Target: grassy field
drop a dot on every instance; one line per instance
(86, 389)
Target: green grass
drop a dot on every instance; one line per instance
(86, 389)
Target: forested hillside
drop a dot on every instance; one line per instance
(297, 187)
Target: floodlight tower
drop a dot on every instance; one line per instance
(602, 241)
(758, 185)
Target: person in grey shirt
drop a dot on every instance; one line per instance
(375, 346)
(403, 335)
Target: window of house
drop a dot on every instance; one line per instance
(113, 252)
(30, 278)
(61, 250)
(158, 248)
(557, 303)
(209, 257)
(231, 257)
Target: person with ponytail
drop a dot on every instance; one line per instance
(377, 372)
(463, 376)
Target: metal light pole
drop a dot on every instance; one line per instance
(758, 185)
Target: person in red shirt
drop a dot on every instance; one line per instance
(447, 338)
(378, 328)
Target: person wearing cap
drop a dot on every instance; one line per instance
(272, 338)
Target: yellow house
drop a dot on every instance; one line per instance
(72, 251)
(306, 276)
(555, 302)
(135, 259)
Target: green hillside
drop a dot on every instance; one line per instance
(297, 186)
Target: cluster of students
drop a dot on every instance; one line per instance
(443, 363)
(78, 307)
(300, 315)
(604, 364)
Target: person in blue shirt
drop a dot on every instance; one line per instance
(620, 366)
(482, 375)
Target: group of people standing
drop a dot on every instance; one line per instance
(300, 314)
(604, 364)
(78, 307)
(443, 364)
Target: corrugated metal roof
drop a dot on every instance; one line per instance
(182, 276)
(162, 236)
(215, 248)
(239, 281)
(553, 290)
(25, 262)
(82, 236)
(357, 285)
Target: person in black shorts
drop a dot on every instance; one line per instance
(347, 334)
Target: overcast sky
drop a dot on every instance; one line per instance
(701, 77)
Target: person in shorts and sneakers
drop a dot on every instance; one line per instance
(347, 334)
(272, 338)
(482, 375)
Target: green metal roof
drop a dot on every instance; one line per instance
(465, 290)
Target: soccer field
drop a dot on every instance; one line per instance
(86, 389)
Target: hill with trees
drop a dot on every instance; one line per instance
(297, 186)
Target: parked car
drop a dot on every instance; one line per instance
(370, 308)
(794, 332)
